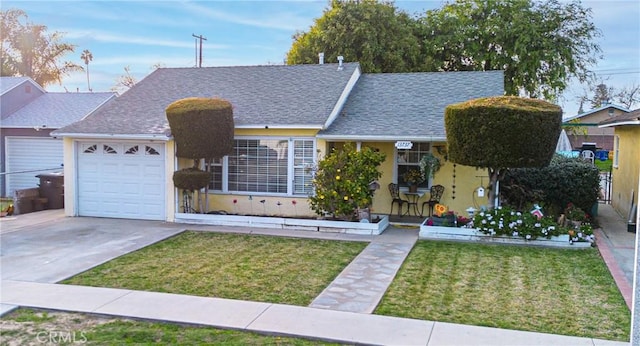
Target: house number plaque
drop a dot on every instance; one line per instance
(404, 144)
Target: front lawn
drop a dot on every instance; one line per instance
(248, 267)
(34, 327)
(556, 291)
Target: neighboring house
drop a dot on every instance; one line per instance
(119, 162)
(28, 115)
(583, 128)
(626, 160)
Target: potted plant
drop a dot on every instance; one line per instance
(413, 178)
(429, 165)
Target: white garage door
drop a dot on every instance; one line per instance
(121, 180)
(34, 155)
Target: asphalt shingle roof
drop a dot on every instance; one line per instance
(409, 105)
(273, 95)
(633, 116)
(8, 83)
(56, 110)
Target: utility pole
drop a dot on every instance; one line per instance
(199, 64)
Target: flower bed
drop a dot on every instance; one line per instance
(472, 234)
(315, 225)
(504, 225)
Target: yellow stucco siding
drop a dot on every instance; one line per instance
(69, 150)
(170, 167)
(467, 180)
(275, 132)
(625, 175)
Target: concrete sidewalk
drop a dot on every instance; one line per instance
(321, 324)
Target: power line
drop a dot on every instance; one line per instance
(201, 38)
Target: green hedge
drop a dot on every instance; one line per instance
(502, 132)
(564, 180)
(191, 179)
(201, 127)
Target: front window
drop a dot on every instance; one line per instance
(266, 166)
(408, 159)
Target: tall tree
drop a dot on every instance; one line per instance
(540, 45)
(374, 33)
(28, 50)
(87, 57)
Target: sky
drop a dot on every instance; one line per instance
(144, 34)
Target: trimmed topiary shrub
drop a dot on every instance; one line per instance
(201, 127)
(564, 181)
(191, 179)
(502, 132)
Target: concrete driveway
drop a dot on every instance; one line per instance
(48, 247)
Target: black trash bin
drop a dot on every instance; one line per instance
(52, 188)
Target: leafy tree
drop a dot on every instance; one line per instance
(502, 132)
(87, 57)
(341, 183)
(539, 45)
(374, 33)
(28, 50)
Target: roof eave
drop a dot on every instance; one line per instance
(374, 138)
(621, 123)
(157, 137)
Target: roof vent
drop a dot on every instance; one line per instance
(340, 59)
(321, 58)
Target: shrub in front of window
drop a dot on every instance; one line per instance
(502, 132)
(342, 181)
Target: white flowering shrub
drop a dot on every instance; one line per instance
(504, 221)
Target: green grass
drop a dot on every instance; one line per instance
(29, 326)
(557, 291)
(603, 166)
(248, 267)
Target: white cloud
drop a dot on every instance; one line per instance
(105, 37)
(284, 20)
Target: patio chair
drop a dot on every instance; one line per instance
(394, 190)
(435, 195)
(588, 155)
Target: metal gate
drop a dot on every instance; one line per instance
(605, 187)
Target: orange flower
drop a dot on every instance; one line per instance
(440, 209)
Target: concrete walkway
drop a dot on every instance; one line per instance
(361, 285)
(321, 324)
(617, 247)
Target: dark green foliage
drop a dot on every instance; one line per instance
(564, 180)
(374, 33)
(191, 179)
(540, 45)
(202, 127)
(342, 181)
(502, 132)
